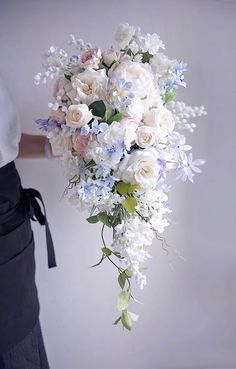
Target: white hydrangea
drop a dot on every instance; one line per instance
(152, 205)
(71, 164)
(131, 239)
(150, 43)
(124, 34)
(108, 203)
(161, 65)
(109, 146)
(60, 141)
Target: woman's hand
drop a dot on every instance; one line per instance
(34, 146)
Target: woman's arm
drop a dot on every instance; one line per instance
(34, 146)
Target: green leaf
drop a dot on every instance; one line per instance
(106, 115)
(122, 188)
(133, 187)
(123, 300)
(169, 96)
(128, 273)
(92, 210)
(129, 204)
(121, 280)
(90, 164)
(117, 320)
(114, 118)
(126, 319)
(102, 258)
(146, 57)
(106, 251)
(104, 218)
(98, 108)
(93, 219)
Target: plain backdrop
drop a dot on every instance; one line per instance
(187, 319)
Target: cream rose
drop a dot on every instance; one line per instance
(145, 136)
(160, 119)
(78, 115)
(141, 167)
(90, 85)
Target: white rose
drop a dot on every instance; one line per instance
(124, 34)
(160, 119)
(78, 115)
(141, 167)
(139, 74)
(90, 85)
(146, 136)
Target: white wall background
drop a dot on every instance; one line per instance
(188, 316)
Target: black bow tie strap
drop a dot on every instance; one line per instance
(33, 202)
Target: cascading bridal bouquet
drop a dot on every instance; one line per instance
(114, 121)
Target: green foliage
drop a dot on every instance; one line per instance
(126, 319)
(106, 116)
(128, 273)
(122, 188)
(117, 320)
(101, 260)
(114, 118)
(90, 164)
(98, 108)
(146, 57)
(133, 187)
(121, 280)
(106, 251)
(104, 218)
(169, 96)
(93, 219)
(126, 188)
(129, 204)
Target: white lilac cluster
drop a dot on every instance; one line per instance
(114, 122)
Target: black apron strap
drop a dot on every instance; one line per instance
(33, 202)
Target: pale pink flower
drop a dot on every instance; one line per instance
(110, 55)
(59, 86)
(58, 115)
(79, 142)
(91, 58)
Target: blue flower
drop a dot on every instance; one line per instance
(95, 127)
(119, 92)
(47, 125)
(85, 130)
(186, 171)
